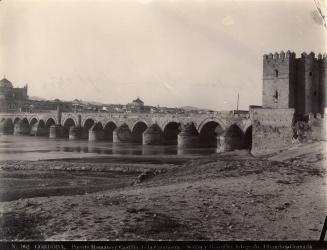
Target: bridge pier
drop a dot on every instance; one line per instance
(122, 134)
(188, 137)
(56, 131)
(75, 133)
(96, 133)
(153, 135)
(22, 128)
(6, 127)
(39, 129)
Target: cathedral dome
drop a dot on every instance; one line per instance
(4, 83)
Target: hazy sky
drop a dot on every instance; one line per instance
(172, 53)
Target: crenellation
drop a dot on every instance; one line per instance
(324, 57)
(282, 55)
(310, 55)
(276, 56)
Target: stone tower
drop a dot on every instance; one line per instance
(279, 80)
(308, 95)
(290, 82)
(322, 62)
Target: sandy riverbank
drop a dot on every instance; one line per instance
(231, 196)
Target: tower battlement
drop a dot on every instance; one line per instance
(292, 55)
(279, 56)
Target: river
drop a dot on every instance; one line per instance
(40, 148)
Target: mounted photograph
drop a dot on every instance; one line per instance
(163, 120)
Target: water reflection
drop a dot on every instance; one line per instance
(31, 148)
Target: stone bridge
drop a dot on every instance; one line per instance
(224, 130)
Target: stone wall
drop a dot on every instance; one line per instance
(271, 130)
(318, 129)
(310, 128)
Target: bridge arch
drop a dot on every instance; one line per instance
(88, 123)
(70, 118)
(69, 122)
(207, 120)
(95, 132)
(137, 123)
(38, 128)
(164, 123)
(22, 126)
(97, 126)
(16, 120)
(32, 121)
(137, 131)
(209, 131)
(170, 131)
(25, 120)
(108, 130)
(6, 126)
(109, 123)
(235, 130)
(42, 123)
(244, 124)
(50, 121)
(232, 138)
(122, 133)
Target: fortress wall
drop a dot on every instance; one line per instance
(310, 128)
(271, 130)
(318, 129)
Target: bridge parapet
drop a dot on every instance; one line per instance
(224, 118)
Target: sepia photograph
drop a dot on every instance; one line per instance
(162, 120)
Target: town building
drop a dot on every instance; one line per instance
(136, 105)
(12, 99)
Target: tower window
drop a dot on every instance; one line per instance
(276, 73)
(315, 93)
(275, 96)
(310, 73)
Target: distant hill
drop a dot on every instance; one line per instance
(189, 108)
(87, 102)
(35, 98)
(95, 103)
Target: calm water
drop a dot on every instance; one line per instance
(37, 148)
